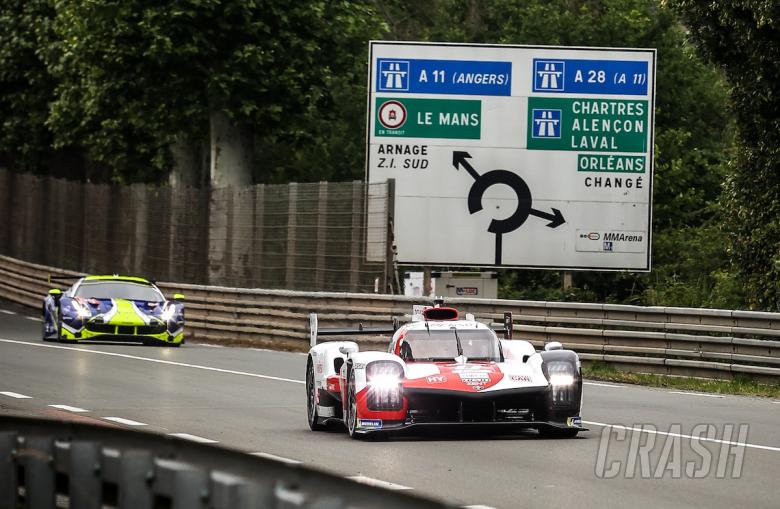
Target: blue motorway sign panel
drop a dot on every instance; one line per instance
(456, 77)
(610, 77)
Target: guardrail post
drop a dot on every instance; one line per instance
(8, 488)
(231, 492)
(85, 483)
(135, 477)
(39, 475)
(186, 486)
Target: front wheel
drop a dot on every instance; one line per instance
(351, 417)
(311, 399)
(58, 327)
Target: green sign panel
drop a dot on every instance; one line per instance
(610, 163)
(588, 125)
(428, 118)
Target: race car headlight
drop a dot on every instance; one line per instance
(560, 373)
(82, 311)
(385, 391)
(167, 313)
(384, 382)
(562, 376)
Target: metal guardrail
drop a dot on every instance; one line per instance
(49, 463)
(709, 343)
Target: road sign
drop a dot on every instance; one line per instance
(515, 156)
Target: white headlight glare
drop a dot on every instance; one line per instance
(560, 373)
(384, 381)
(167, 313)
(82, 311)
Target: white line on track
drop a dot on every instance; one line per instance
(33, 318)
(378, 483)
(599, 385)
(15, 395)
(5, 311)
(126, 422)
(159, 361)
(69, 408)
(275, 457)
(697, 394)
(478, 506)
(210, 345)
(194, 438)
(681, 435)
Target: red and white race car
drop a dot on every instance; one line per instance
(442, 370)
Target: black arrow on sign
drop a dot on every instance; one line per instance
(461, 159)
(556, 218)
(518, 185)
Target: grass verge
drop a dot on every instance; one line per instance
(740, 385)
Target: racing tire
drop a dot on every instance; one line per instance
(558, 432)
(58, 337)
(311, 399)
(351, 410)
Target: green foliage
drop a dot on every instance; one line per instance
(25, 142)
(741, 37)
(134, 76)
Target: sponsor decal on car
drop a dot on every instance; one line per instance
(370, 423)
(520, 378)
(574, 422)
(437, 379)
(360, 366)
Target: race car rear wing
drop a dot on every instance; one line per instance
(63, 278)
(315, 331)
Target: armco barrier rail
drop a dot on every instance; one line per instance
(680, 341)
(48, 463)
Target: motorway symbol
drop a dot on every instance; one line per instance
(548, 75)
(498, 227)
(394, 75)
(547, 123)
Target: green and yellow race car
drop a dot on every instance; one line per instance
(113, 308)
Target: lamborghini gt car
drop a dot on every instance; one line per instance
(441, 370)
(113, 308)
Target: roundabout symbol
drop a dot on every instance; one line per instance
(498, 227)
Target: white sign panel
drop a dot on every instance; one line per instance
(515, 156)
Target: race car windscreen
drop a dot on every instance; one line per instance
(442, 345)
(118, 290)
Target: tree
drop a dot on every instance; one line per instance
(743, 38)
(136, 77)
(25, 142)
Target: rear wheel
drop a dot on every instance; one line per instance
(311, 399)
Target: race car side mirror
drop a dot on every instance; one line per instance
(178, 297)
(553, 345)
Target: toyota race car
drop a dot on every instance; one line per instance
(113, 308)
(442, 370)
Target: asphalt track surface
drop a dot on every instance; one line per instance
(254, 400)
